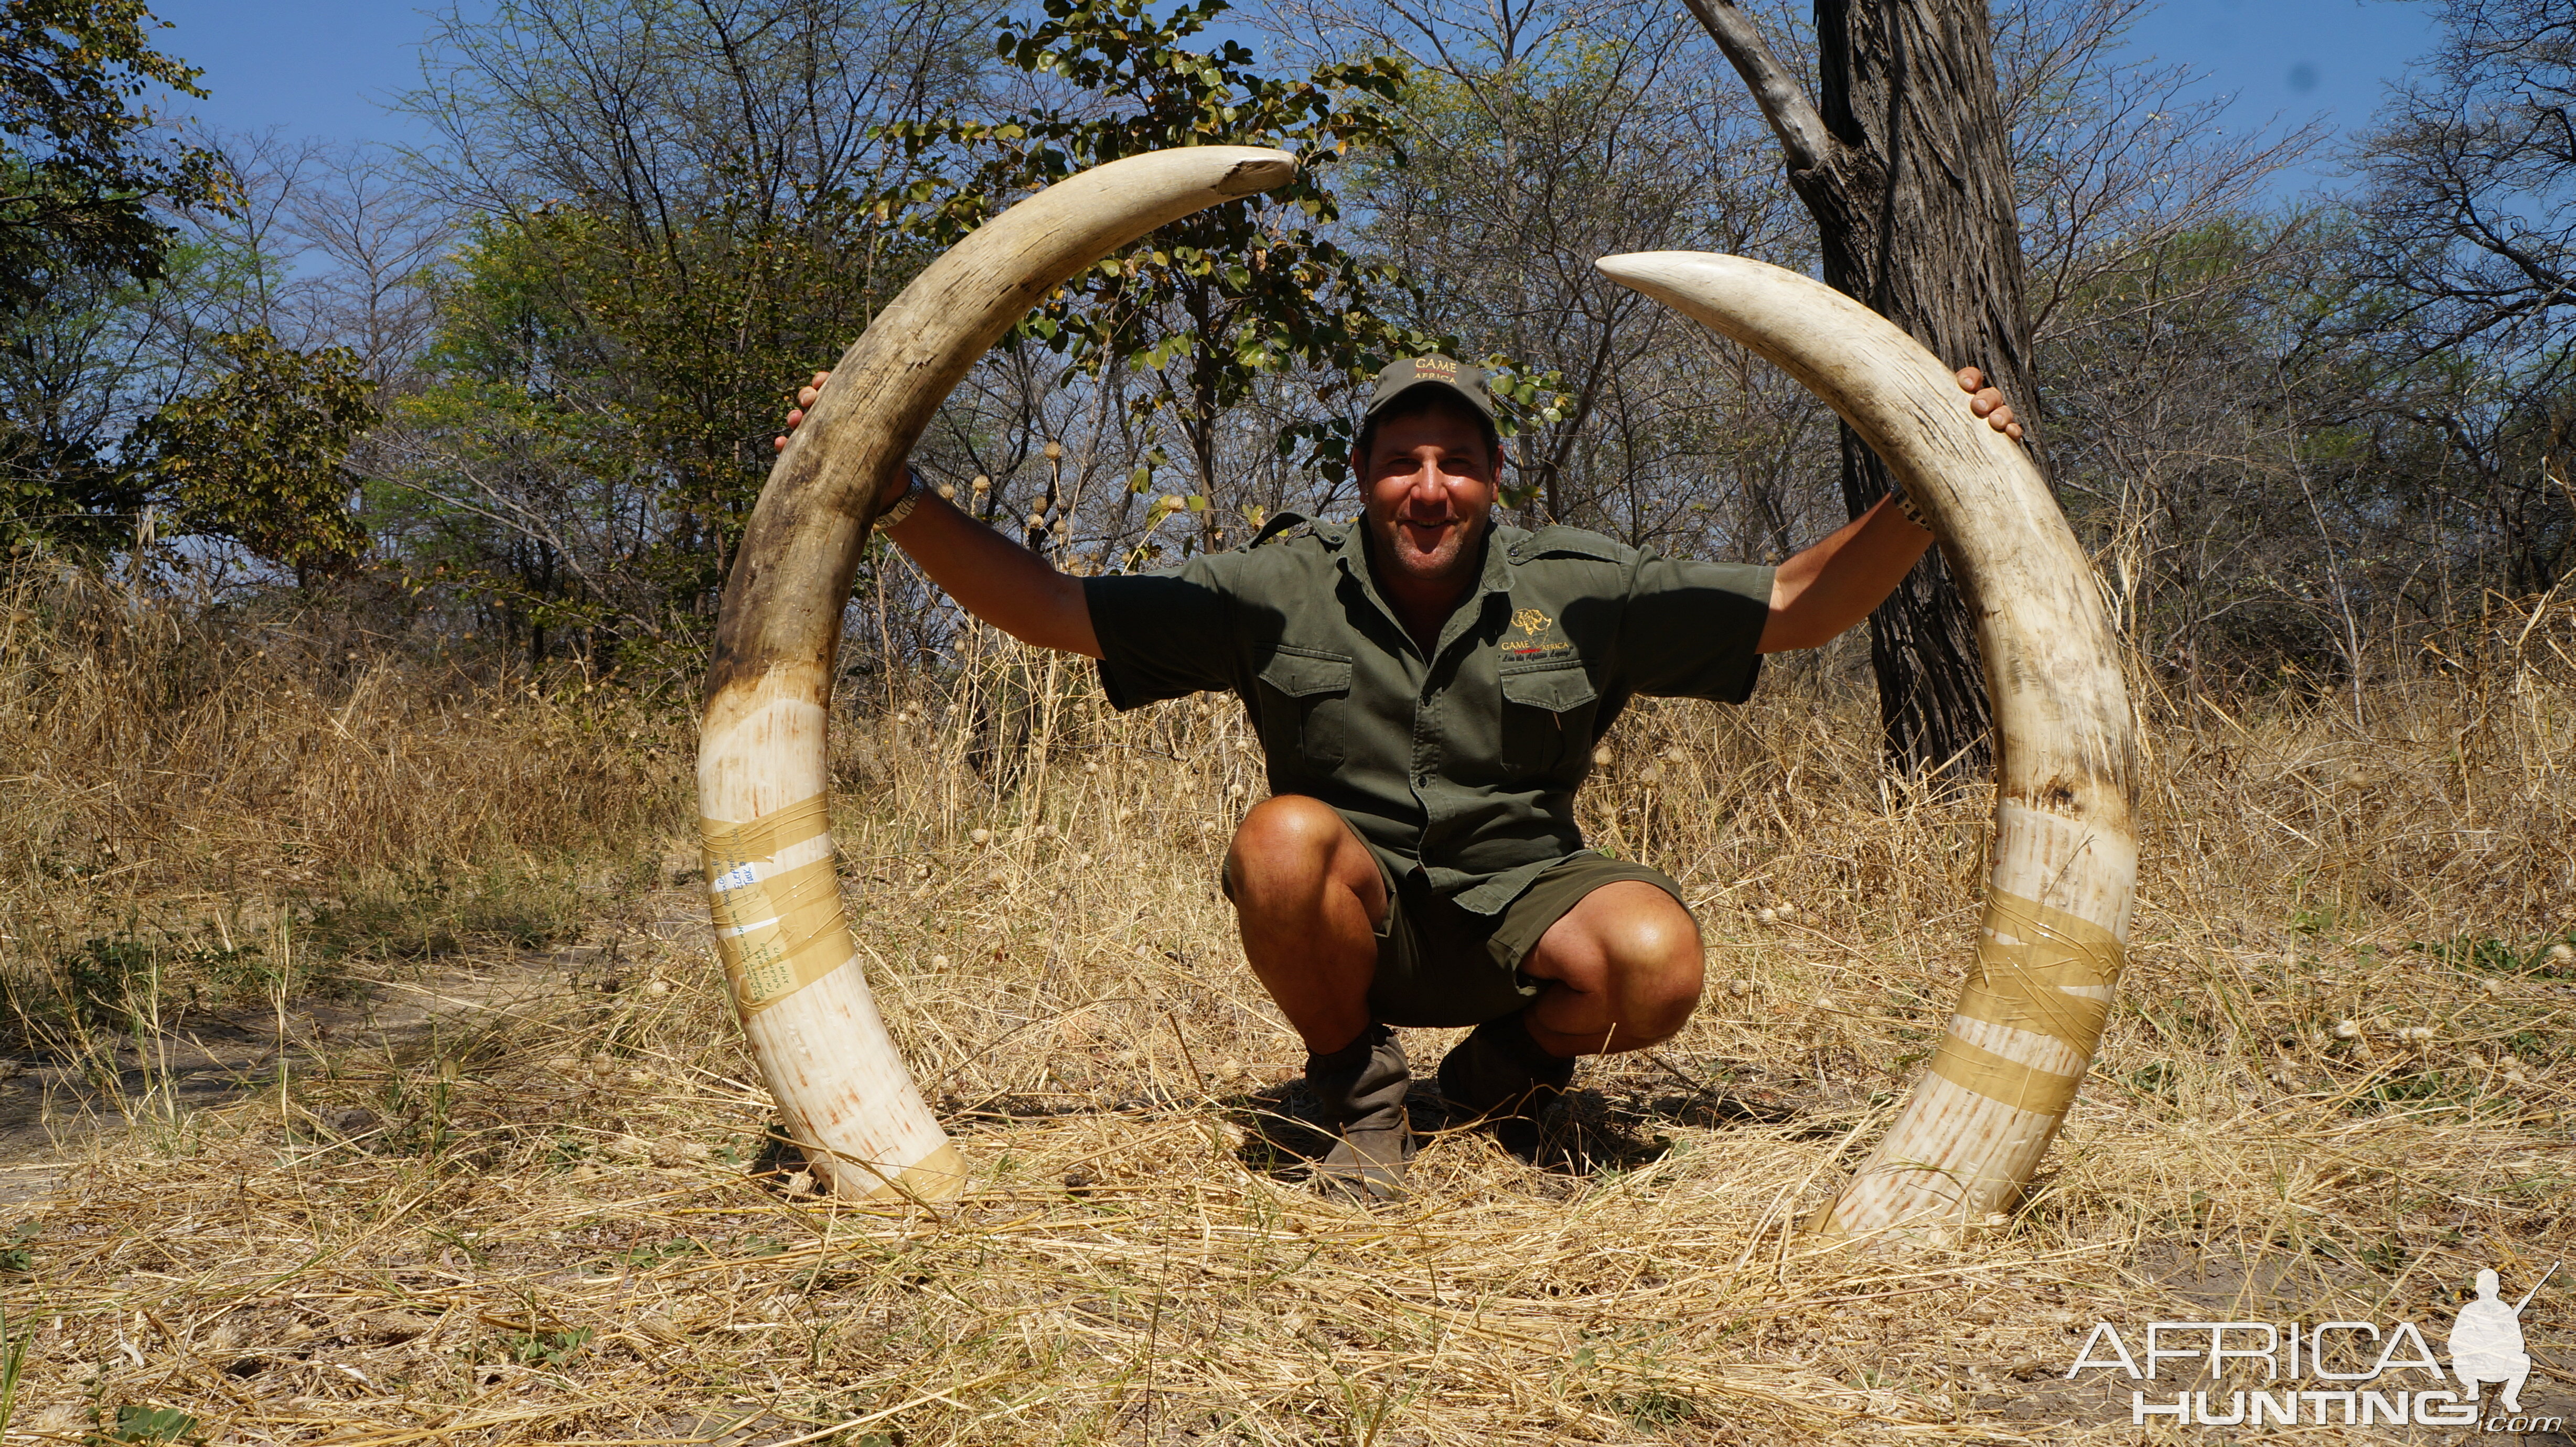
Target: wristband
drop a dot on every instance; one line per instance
(903, 505)
(1906, 509)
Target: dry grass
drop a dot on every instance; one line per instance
(554, 1215)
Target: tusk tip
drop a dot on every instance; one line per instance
(1257, 171)
(1640, 269)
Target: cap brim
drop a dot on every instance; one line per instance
(1483, 407)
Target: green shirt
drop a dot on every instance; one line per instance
(1464, 762)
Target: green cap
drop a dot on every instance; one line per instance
(1465, 380)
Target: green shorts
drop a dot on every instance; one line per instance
(1440, 965)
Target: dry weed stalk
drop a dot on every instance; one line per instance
(546, 1218)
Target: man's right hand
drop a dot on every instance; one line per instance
(992, 577)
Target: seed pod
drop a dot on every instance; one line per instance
(979, 837)
(2347, 1030)
(1054, 451)
(1601, 757)
(981, 484)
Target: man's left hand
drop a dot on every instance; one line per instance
(1988, 403)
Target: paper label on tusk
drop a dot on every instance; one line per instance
(2042, 970)
(777, 929)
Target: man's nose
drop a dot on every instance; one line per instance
(1427, 490)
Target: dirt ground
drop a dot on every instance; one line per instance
(533, 1197)
(374, 1083)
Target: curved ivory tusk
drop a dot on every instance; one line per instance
(787, 946)
(2065, 849)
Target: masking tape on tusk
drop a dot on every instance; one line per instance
(777, 930)
(1981, 1071)
(2041, 970)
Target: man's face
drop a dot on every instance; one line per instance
(1430, 485)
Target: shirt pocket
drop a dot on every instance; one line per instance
(1305, 693)
(1547, 721)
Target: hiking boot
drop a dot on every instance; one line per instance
(1499, 1075)
(1361, 1087)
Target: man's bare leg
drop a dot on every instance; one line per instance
(1623, 968)
(1626, 962)
(1307, 899)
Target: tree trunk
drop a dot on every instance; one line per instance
(1905, 163)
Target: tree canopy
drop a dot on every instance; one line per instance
(526, 378)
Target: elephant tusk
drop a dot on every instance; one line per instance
(2065, 846)
(788, 950)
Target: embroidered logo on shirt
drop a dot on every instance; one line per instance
(1532, 624)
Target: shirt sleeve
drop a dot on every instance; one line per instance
(1165, 633)
(1693, 629)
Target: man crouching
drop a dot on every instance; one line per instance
(1428, 686)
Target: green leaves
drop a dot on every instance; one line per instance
(138, 1423)
(257, 457)
(1211, 304)
(81, 173)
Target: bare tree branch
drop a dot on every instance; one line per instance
(1793, 117)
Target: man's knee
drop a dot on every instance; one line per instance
(1286, 844)
(1652, 950)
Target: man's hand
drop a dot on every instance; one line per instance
(1834, 584)
(805, 398)
(1983, 400)
(990, 576)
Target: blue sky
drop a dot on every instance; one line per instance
(2288, 60)
(326, 69)
(318, 69)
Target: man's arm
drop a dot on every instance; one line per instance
(989, 575)
(1837, 582)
